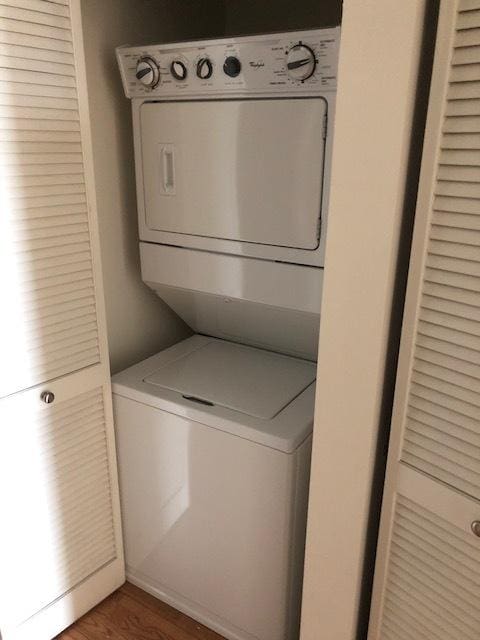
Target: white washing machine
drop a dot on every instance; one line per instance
(214, 443)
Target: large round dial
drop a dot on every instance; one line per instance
(178, 69)
(204, 68)
(232, 66)
(301, 62)
(147, 72)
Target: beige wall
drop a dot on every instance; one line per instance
(257, 16)
(139, 323)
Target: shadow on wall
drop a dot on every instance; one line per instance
(259, 16)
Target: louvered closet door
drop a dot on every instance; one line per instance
(46, 269)
(60, 535)
(427, 579)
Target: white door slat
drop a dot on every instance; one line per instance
(26, 268)
(37, 113)
(456, 220)
(466, 73)
(441, 331)
(434, 436)
(39, 147)
(457, 204)
(48, 124)
(70, 416)
(443, 548)
(26, 280)
(463, 107)
(54, 292)
(443, 413)
(9, 36)
(27, 184)
(454, 249)
(453, 294)
(64, 209)
(466, 55)
(36, 17)
(451, 307)
(73, 333)
(467, 38)
(67, 364)
(460, 174)
(458, 189)
(451, 391)
(410, 592)
(455, 280)
(445, 373)
(13, 159)
(16, 135)
(457, 265)
(468, 19)
(76, 300)
(39, 6)
(462, 124)
(35, 53)
(35, 64)
(456, 235)
(464, 5)
(24, 88)
(34, 29)
(461, 140)
(46, 243)
(460, 157)
(446, 345)
(42, 102)
(61, 232)
(450, 430)
(45, 169)
(457, 324)
(55, 187)
(78, 197)
(444, 400)
(464, 90)
(33, 77)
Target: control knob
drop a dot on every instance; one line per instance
(301, 62)
(178, 70)
(147, 72)
(204, 68)
(232, 66)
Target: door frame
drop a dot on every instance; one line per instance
(372, 203)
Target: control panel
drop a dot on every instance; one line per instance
(303, 62)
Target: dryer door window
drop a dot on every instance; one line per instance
(243, 170)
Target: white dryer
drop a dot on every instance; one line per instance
(214, 442)
(233, 143)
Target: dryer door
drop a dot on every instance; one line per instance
(243, 170)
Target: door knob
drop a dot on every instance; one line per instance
(476, 528)
(48, 397)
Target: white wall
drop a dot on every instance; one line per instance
(139, 323)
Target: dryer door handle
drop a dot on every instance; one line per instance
(168, 169)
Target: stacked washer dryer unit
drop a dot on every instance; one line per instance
(232, 147)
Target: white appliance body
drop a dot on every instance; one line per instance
(214, 483)
(237, 166)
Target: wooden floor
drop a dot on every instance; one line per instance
(132, 614)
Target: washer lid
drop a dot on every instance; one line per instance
(252, 381)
